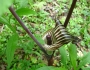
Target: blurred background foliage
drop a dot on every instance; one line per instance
(19, 52)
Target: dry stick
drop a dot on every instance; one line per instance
(28, 31)
(70, 13)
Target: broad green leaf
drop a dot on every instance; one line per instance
(4, 4)
(25, 11)
(11, 47)
(6, 22)
(73, 55)
(84, 60)
(51, 68)
(63, 55)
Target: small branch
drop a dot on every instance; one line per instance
(27, 30)
(70, 13)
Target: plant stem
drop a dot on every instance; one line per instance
(70, 13)
(27, 30)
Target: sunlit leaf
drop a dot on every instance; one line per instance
(11, 47)
(63, 55)
(73, 55)
(25, 11)
(4, 5)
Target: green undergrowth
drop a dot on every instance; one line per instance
(19, 52)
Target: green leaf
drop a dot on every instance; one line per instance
(25, 11)
(4, 4)
(11, 47)
(51, 68)
(6, 22)
(63, 56)
(84, 60)
(73, 55)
